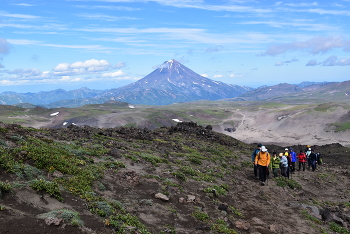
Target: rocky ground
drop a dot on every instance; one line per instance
(181, 179)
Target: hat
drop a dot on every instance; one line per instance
(286, 149)
(290, 148)
(259, 145)
(281, 154)
(263, 149)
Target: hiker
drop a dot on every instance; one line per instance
(255, 152)
(293, 159)
(262, 160)
(275, 164)
(307, 148)
(302, 160)
(287, 155)
(319, 159)
(313, 160)
(308, 152)
(284, 165)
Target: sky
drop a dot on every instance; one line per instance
(103, 44)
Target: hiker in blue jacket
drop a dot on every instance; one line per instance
(293, 159)
(255, 152)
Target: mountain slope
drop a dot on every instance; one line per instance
(181, 179)
(173, 82)
(46, 97)
(287, 93)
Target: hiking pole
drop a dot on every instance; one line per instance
(267, 175)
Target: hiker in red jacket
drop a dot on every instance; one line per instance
(302, 160)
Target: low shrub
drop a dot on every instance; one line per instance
(202, 216)
(4, 188)
(50, 187)
(101, 208)
(284, 182)
(338, 229)
(68, 216)
(222, 189)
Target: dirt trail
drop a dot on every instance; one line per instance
(285, 128)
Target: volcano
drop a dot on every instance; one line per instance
(173, 82)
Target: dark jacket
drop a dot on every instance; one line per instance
(313, 156)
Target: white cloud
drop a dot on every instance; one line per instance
(314, 45)
(88, 66)
(197, 4)
(297, 23)
(27, 73)
(120, 65)
(215, 49)
(279, 64)
(113, 74)
(302, 4)
(204, 75)
(23, 4)
(330, 61)
(235, 75)
(22, 42)
(218, 76)
(121, 8)
(4, 46)
(21, 16)
(286, 62)
(334, 61)
(325, 12)
(312, 62)
(105, 17)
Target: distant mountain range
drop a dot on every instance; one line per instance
(171, 83)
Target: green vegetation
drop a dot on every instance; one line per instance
(121, 223)
(236, 211)
(284, 182)
(4, 188)
(68, 216)
(219, 190)
(310, 217)
(50, 187)
(340, 127)
(338, 229)
(220, 226)
(202, 216)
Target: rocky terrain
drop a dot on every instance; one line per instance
(184, 178)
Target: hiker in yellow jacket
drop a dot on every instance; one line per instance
(262, 160)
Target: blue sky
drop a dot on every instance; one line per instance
(102, 44)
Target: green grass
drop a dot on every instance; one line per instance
(341, 127)
(310, 217)
(338, 229)
(283, 182)
(202, 216)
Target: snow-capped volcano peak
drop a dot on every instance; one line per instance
(175, 82)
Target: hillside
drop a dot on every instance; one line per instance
(304, 93)
(180, 179)
(268, 122)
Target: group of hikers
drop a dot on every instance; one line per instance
(284, 164)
